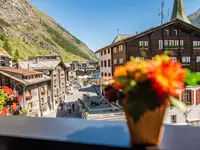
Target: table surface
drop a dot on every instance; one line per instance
(93, 132)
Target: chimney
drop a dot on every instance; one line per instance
(136, 33)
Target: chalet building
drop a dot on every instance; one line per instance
(30, 87)
(5, 59)
(178, 35)
(81, 68)
(57, 70)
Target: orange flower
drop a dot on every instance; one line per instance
(120, 71)
(130, 67)
(167, 77)
(118, 85)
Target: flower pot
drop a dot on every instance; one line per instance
(149, 129)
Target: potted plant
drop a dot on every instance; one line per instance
(148, 87)
(43, 91)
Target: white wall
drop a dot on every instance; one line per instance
(193, 115)
(105, 69)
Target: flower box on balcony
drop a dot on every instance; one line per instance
(28, 97)
(43, 92)
(188, 103)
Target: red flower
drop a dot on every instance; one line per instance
(14, 107)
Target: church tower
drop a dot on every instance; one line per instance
(179, 12)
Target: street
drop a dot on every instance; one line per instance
(58, 113)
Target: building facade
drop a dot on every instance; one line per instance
(178, 36)
(31, 88)
(5, 59)
(57, 70)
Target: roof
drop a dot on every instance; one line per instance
(21, 71)
(121, 37)
(150, 30)
(37, 80)
(27, 82)
(41, 65)
(4, 53)
(67, 65)
(12, 77)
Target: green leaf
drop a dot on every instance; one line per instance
(122, 79)
(177, 103)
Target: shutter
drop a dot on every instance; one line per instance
(192, 96)
(183, 96)
(198, 96)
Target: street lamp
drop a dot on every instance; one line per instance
(23, 93)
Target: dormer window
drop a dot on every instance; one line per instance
(167, 32)
(175, 32)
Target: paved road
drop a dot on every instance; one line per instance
(72, 98)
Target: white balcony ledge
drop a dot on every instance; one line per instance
(99, 133)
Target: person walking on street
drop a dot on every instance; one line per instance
(61, 105)
(73, 106)
(70, 109)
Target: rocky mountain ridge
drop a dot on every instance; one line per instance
(195, 18)
(32, 32)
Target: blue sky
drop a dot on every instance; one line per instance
(95, 22)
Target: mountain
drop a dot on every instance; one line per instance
(31, 32)
(195, 18)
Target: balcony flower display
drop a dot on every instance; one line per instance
(43, 91)
(148, 87)
(28, 95)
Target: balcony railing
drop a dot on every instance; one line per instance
(36, 133)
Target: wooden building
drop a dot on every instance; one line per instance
(178, 35)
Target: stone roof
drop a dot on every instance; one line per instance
(29, 81)
(20, 71)
(179, 12)
(41, 65)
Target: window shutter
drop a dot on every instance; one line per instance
(183, 96)
(192, 96)
(198, 96)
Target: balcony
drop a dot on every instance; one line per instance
(36, 133)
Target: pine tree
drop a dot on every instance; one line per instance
(16, 56)
(7, 47)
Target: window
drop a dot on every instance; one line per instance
(105, 74)
(160, 44)
(188, 96)
(181, 44)
(166, 42)
(175, 32)
(146, 43)
(174, 59)
(109, 51)
(167, 32)
(102, 63)
(114, 49)
(186, 59)
(173, 119)
(102, 74)
(30, 105)
(141, 43)
(139, 58)
(105, 64)
(109, 63)
(176, 43)
(121, 61)
(105, 51)
(115, 61)
(109, 74)
(120, 47)
(196, 44)
(198, 59)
